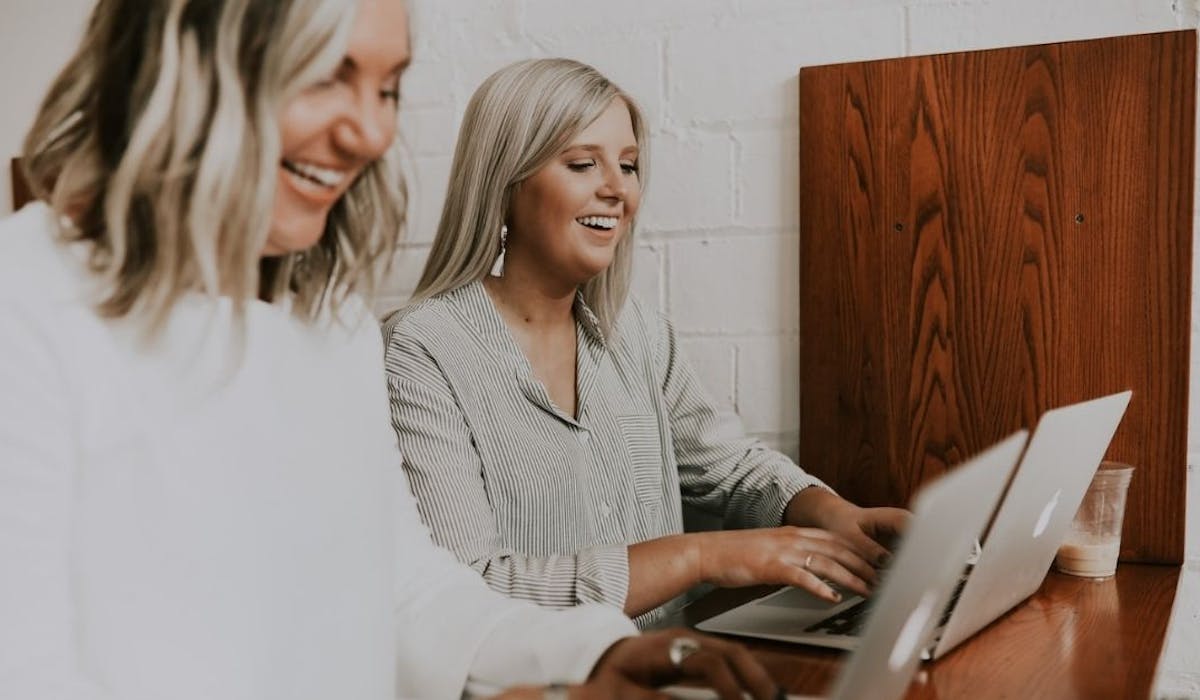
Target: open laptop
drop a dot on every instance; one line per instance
(922, 577)
(1031, 522)
(1036, 513)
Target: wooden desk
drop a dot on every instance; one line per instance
(1074, 638)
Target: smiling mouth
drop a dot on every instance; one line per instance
(598, 223)
(324, 177)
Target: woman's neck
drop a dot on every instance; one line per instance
(530, 302)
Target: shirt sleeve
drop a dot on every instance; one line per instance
(453, 632)
(722, 470)
(38, 657)
(446, 475)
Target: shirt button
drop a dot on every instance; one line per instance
(605, 510)
(583, 437)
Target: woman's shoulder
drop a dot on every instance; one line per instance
(35, 266)
(425, 321)
(414, 318)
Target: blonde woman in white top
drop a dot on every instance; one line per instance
(199, 495)
(550, 427)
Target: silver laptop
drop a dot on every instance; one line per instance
(794, 615)
(1020, 544)
(948, 515)
(1034, 517)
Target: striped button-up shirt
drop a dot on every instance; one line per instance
(544, 504)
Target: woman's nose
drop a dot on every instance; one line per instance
(613, 185)
(367, 129)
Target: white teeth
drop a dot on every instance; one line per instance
(604, 222)
(324, 176)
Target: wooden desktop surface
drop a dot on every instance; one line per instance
(1074, 638)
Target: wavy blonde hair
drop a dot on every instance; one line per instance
(160, 141)
(520, 118)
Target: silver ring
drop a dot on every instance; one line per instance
(681, 648)
(808, 563)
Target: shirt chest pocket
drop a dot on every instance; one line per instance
(642, 441)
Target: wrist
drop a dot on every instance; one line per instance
(812, 506)
(696, 551)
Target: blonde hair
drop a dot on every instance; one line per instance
(522, 116)
(160, 141)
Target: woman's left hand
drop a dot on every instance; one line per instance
(872, 532)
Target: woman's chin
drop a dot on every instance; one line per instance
(293, 238)
(599, 267)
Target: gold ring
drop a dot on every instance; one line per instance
(681, 648)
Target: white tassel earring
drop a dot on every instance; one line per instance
(498, 266)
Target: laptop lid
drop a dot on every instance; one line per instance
(948, 515)
(1033, 518)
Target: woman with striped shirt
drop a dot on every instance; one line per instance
(550, 427)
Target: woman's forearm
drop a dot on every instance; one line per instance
(661, 569)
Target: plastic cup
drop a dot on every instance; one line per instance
(1093, 542)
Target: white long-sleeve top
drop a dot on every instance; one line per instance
(224, 516)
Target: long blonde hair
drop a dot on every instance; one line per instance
(160, 140)
(522, 116)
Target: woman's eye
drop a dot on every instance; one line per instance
(328, 84)
(629, 168)
(323, 84)
(392, 91)
(581, 165)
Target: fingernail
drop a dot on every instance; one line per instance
(837, 597)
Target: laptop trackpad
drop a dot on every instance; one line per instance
(796, 599)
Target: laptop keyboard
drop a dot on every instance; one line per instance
(850, 621)
(847, 622)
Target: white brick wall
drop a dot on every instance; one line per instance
(735, 284)
(717, 79)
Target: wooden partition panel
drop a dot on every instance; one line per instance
(988, 235)
(20, 190)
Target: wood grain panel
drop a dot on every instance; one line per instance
(988, 235)
(21, 193)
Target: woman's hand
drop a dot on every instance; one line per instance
(872, 532)
(826, 539)
(634, 664)
(793, 556)
(634, 667)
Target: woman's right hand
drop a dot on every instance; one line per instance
(794, 556)
(635, 668)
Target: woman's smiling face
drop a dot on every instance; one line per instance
(334, 129)
(567, 218)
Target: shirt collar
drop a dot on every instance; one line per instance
(481, 317)
(587, 320)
